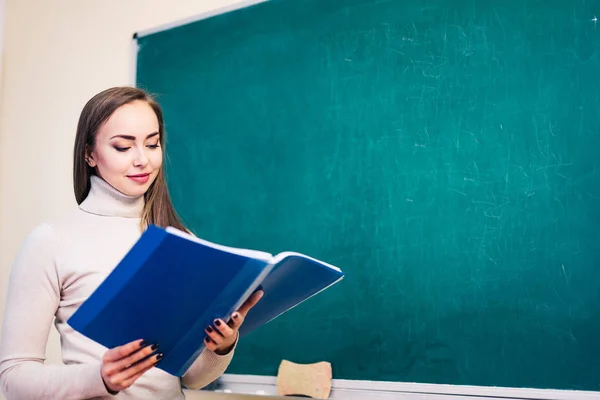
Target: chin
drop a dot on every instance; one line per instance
(136, 189)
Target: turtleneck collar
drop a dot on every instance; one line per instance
(103, 199)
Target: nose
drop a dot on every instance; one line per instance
(140, 160)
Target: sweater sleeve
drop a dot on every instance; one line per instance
(207, 368)
(32, 300)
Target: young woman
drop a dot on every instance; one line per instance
(120, 188)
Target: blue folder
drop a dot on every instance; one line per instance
(171, 285)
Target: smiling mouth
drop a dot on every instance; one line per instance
(139, 178)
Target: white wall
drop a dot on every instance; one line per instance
(57, 54)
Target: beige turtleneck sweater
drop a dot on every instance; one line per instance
(60, 264)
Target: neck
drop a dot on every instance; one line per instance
(103, 199)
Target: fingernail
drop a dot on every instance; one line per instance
(159, 356)
(207, 340)
(143, 343)
(235, 316)
(154, 347)
(218, 322)
(209, 329)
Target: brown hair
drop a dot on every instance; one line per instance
(158, 209)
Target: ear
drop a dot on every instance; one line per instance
(89, 158)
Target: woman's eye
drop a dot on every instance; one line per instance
(121, 149)
(153, 146)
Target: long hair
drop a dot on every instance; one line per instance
(158, 208)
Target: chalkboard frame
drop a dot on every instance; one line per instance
(267, 385)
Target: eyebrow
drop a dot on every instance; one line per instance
(128, 137)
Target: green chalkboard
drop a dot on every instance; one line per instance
(444, 154)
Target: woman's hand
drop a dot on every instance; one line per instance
(123, 365)
(221, 337)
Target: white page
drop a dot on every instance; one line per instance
(279, 257)
(259, 255)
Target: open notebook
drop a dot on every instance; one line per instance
(171, 285)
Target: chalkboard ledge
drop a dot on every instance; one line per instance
(354, 389)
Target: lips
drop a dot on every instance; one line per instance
(139, 178)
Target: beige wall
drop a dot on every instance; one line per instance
(57, 54)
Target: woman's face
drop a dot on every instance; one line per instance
(127, 152)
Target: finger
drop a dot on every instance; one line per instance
(137, 357)
(223, 328)
(135, 369)
(116, 366)
(213, 333)
(210, 344)
(251, 302)
(236, 320)
(214, 336)
(123, 351)
(130, 381)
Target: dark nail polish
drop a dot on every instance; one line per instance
(154, 347)
(209, 329)
(218, 323)
(159, 356)
(236, 316)
(143, 343)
